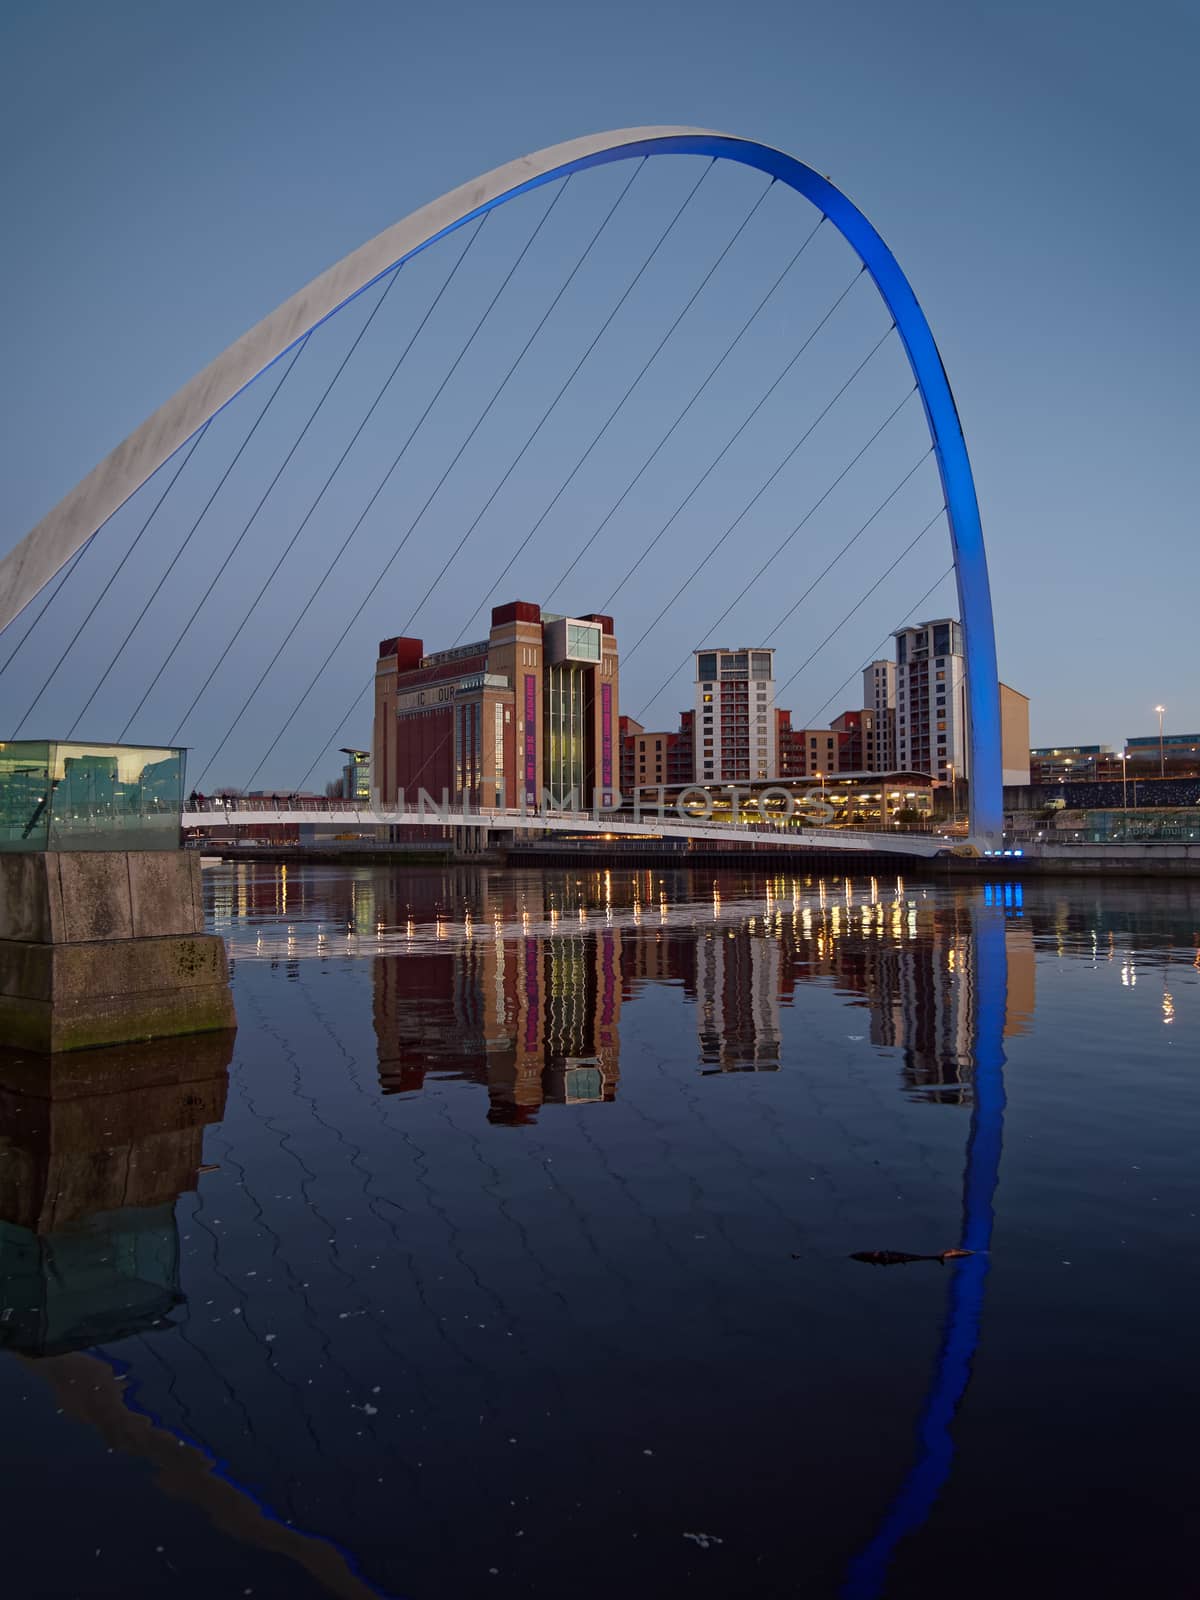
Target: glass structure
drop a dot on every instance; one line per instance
(566, 732)
(75, 796)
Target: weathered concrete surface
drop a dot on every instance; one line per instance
(106, 947)
(63, 897)
(75, 996)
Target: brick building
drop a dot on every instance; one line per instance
(532, 707)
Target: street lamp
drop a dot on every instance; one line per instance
(1162, 757)
(1124, 776)
(953, 796)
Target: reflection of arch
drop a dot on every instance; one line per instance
(964, 1293)
(72, 522)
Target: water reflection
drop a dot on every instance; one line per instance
(517, 983)
(535, 1194)
(95, 1150)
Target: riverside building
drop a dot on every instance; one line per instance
(530, 709)
(735, 731)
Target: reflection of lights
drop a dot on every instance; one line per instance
(1168, 1008)
(1128, 974)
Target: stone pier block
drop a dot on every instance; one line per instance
(106, 947)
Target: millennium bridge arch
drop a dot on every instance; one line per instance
(64, 531)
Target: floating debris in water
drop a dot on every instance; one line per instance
(901, 1258)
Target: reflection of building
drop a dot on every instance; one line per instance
(95, 1148)
(738, 979)
(533, 1016)
(531, 707)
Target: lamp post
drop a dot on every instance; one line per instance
(1124, 776)
(1162, 755)
(953, 797)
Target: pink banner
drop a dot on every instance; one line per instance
(606, 770)
(531, 738)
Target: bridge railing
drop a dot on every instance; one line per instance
(231, 808)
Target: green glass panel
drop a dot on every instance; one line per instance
(79, 796)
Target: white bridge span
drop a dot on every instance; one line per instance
(744, 834)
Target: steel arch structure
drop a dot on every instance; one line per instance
(52, 543)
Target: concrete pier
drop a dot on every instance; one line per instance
(106, 947)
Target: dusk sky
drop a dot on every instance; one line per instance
(172, 173)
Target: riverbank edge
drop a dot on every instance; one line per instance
(1079, 862)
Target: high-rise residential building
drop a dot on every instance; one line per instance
(735, 732)
(531, 708)
(931, 700)
(879, 697)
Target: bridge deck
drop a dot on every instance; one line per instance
(579, 822)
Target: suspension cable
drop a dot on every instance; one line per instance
(845, 550)
(429, 500)
(912, 544)
(711, 375)
(395, 462)
(54, 589)
(828, 568)
(765, 485)
(812, 721)
(730, 442)
(558, 396)
(312, 416)
(154, 593)
(113, 576)
(696, 393)
(182, 632)
(479, 421)
(608, 421)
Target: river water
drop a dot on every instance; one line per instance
(508, 1249)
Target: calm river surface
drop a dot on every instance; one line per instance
(507, 1249)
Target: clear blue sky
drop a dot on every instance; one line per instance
(172, 173)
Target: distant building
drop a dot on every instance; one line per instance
(1084, 763)
(651, 759)
(789, 747)
(931, 707)
(734, 731)
(531, 708)
(1178, 754)
(820, 751)
(931, 699)
(879, 697)
(1014, 735)
(356, 775)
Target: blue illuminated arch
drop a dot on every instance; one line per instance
(50, 545)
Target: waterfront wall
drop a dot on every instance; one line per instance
(106, 947)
